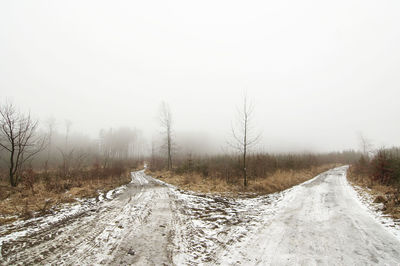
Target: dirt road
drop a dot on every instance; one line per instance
(135, 227)
(148, 222)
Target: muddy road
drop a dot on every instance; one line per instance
(148, 222)
(134, 227)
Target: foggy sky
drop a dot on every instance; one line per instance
(319, 72)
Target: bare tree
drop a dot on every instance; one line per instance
(18, 137)
(67, 157)
(365, 143)
(153, 153)
(51, 123)
(244, 135)
(166, 124)
(68, 124)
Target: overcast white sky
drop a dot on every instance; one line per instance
(318, 71)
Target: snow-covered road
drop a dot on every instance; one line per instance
(149, 222)
(320, 222)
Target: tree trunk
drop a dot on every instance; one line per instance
(169, 151)
(12, 180)
(244, 152)
(244, 171)
(12, 173)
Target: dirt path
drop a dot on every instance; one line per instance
(151, 223)
(132, 228)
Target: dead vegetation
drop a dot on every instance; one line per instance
(387, 194)
(40, 192)
(274, 182)
(381, 175)
(266, 173)
(40, 167)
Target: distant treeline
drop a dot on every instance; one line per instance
(260, 165)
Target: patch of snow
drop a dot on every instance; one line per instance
(214, 223)
(375, 210)
(139, 178)
(20, 228)
(109, 194)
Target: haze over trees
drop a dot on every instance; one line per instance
(72, 153)
(24, 146)
(365, 144)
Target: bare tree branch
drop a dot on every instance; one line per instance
(18, 137)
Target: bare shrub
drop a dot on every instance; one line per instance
(29, 179)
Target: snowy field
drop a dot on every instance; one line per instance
(323, 221)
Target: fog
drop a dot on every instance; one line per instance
(319, 73)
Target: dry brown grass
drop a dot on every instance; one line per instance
(278, 181)
(22, 202)
(284, 179)
(389, 194)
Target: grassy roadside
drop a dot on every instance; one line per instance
(30, 200)
(388, 195)
(277, 181)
